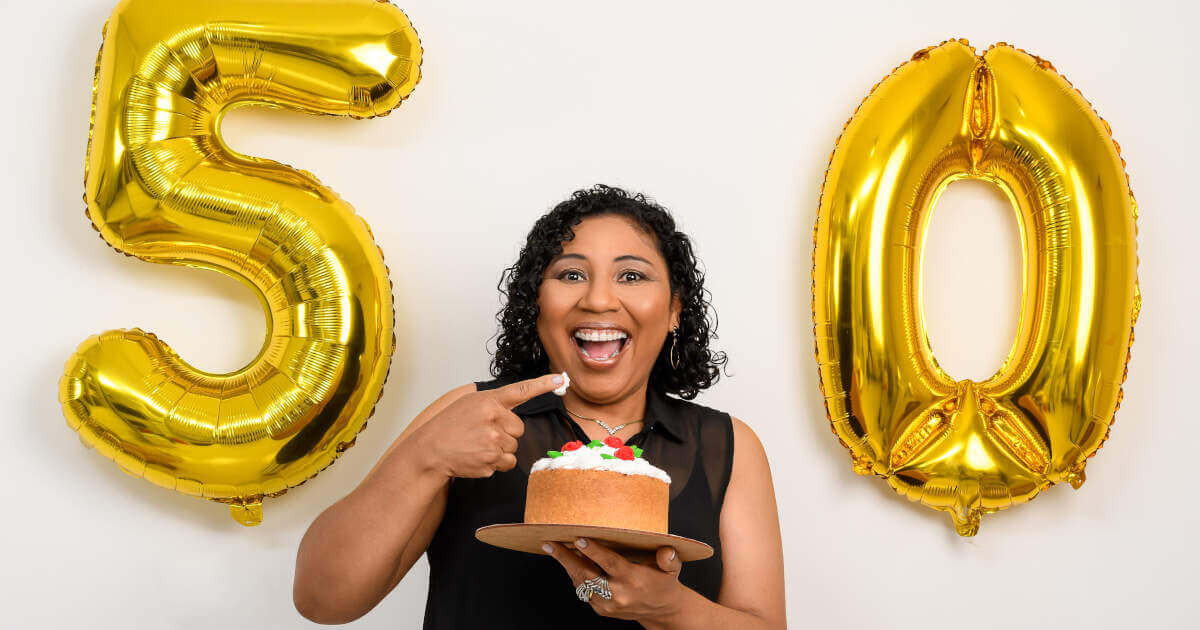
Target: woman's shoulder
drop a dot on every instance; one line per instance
(690, 408)
(493, 383)
(443, 401)
(460, 391)
(737, 429)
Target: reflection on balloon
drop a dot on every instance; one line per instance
(162, 186)
(1008, 118)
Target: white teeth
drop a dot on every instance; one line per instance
(589, 334)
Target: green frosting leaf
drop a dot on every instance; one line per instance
(637, 452)
(595, 444)
(554, 453)
(607, 456)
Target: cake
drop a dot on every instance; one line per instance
(606, 484)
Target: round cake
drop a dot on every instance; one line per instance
(606, 484)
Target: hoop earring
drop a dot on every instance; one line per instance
(674, 342)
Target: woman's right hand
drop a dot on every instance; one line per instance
(476, 435)
(359, 548)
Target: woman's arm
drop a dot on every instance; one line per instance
(356, 551)
(752, 591)
(360, 548)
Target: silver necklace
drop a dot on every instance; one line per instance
(603, 424)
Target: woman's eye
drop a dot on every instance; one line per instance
(631, 276)
(571, 275)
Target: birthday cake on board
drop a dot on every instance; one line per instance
(605, 484)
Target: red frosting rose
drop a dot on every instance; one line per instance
(625, 453)
(614, 441)
(570, 446)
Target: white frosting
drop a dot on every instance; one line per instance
(561, 390)
(585, 458)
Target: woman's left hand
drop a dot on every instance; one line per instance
(639, 591)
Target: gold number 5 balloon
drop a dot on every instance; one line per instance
(162, 186)
(1008, 118)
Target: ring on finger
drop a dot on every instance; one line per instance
(599, 586)
(584, 592)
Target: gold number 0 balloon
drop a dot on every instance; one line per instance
(1008, 118)
(162, 186)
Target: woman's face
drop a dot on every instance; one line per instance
(606, 307)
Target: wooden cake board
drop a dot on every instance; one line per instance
(529, 537)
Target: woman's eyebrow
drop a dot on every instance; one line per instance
(617, 259)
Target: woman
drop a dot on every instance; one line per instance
(602, 265)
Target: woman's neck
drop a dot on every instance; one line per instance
(628, 410)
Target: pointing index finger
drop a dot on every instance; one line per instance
(516, 393)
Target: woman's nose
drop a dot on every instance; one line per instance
(600, 297)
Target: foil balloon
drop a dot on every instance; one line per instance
(162, 186)
(1005, 117)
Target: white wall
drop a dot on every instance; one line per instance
(727, 115)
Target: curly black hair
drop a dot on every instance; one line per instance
(519, 353)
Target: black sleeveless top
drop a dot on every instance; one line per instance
(474, 585)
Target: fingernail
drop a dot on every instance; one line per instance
(557, 380)
(581, 543)
(548, 548)
(672, 555)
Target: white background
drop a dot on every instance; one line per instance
(724, 113)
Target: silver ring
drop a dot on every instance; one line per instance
(584, 592)
(599, 586)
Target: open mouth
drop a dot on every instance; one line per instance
(601, 345)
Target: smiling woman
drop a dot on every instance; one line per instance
(607, 291)
(631, 244)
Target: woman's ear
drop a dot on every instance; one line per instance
(676, 310)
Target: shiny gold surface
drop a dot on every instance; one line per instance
(1008, 118)
(162, 186)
